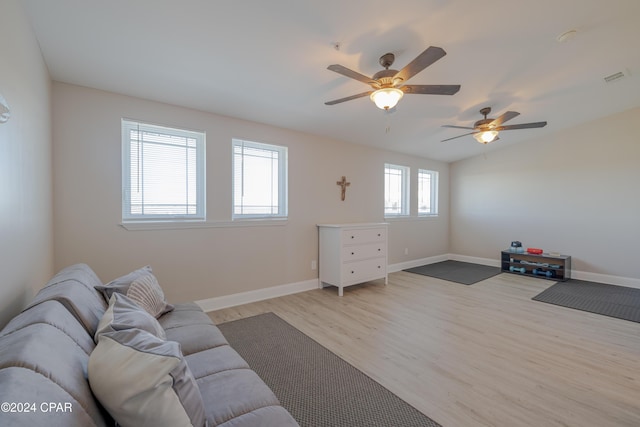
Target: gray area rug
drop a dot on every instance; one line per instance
(609, 300)
(457, 271)
(316, 386)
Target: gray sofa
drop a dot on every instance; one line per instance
(45, 351)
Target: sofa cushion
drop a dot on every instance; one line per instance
(184, 315)
(43, 364)
(145, 281)
(27, 386)
(187, 306)
(267, 416)
(74, 288)
(215, 360)
(85, 305)
(143, 380)
(192, 328)
(52, 313)
(79, 273)
(123, 313)
(195, 338)
(231, 393)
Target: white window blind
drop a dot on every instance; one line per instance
(427, 192)
(163, 172)
(396, 190)
(259, 180)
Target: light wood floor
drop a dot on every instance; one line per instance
(479, 355)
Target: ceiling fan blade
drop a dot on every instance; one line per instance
(459, 136)
(422, 61)
(431, 89)
(522, 126)
(350, 73)
(348, 98)
(456, 127)
(503, 118)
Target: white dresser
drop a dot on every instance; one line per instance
(352, 253)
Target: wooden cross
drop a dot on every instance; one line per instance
(344, 184)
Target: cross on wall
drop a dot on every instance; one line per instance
(344, 184)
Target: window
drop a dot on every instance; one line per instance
(427, 192)
(396, 190)
(259, 180)
(163, 173)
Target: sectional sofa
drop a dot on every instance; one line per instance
(87, 354)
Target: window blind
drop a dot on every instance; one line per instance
(259, 180)
(427, 192)
(163, 173)
(396, 189)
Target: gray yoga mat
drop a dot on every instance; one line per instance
(465, 273)
(600, 298)
(316, 386)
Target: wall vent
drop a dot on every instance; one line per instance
(615, 77)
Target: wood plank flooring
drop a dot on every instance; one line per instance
(478, 355)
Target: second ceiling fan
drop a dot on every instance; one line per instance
(388, 86)
(486, 130)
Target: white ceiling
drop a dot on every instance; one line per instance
(266, 61)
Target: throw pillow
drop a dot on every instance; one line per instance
(142, 380)
(123, 313)
(122, 284)
(147, 293)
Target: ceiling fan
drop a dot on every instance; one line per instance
(389, 85)
(486, 130)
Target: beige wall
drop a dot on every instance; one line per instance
(25, 164)
(202, 263)
(575, 192)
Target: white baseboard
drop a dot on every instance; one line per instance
(476, 260)
(233, 300)
(226, 301)
(575, 274)
(392, 268)
(629, 282)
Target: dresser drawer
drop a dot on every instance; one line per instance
(359, 271)
(357, 252)
(364, 235)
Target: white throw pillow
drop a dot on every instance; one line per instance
(147, 293)
(144, 381)
(123, 284)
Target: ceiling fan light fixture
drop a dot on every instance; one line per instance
(386, 98)
(486, 136)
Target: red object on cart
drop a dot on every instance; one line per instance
(535, 251)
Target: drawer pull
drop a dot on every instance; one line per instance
(353, 237)
(379, 249)
(352, 271)
(379, 234)
(352, 253)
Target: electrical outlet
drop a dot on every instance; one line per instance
(314, 264)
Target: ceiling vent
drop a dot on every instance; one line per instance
(615, 77)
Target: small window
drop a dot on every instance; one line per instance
(427, 192)
(396, 190)
(259, 180)
(163, 172)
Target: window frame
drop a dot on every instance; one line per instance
(433, 192)
(127, 125)
(282, 185)
(405, 207)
